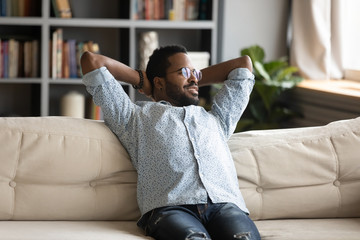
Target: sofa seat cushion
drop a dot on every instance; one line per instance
(319, 229)
(70, 230)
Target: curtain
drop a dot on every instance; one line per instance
(321, 31)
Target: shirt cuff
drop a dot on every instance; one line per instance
(240, 74)
(97, 77)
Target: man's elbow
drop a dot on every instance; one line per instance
(88, 62)
(247, 62)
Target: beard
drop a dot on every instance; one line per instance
(179, 97)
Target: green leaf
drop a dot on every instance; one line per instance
(256, 53)
(261, 70)
(274, 66)
(286, 73)
(268, 94)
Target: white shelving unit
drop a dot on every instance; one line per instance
(114, 30)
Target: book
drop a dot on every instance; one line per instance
(13, 58)
(72, 58)
(1, 59)
(170, 9)
(3, 8)
(54, 54)
(65, 61)
(35, 58)
(27, 59)
(62, 8)
(59, 53)
(191, 9)
(5, 58)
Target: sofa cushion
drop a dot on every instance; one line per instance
(300, 173)
(70, 230)
(319, 229)
(58, 168)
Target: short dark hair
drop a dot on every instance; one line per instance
(158, 61)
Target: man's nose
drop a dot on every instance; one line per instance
(193, 78)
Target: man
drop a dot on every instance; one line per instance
(187, 183)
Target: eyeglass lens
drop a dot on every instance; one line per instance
(187, 73)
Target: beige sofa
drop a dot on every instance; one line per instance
(65, 178)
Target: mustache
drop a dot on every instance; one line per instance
(191, 84)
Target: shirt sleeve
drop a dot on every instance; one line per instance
(231, 100)
(108, 93)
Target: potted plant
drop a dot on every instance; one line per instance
(267, 108)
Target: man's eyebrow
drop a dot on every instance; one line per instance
(177, 70)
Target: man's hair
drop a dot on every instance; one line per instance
(158, 61)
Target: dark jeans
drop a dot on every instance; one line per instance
(203, 221)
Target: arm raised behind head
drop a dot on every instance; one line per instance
(91, 61)
(218, 73)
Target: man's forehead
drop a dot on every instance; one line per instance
(179, 60)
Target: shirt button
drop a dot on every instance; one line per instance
(259, 190)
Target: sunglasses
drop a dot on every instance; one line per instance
(186, 72)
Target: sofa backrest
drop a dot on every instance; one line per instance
(58, 168)
(300, 173)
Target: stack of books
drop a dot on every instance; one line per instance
(178, 10)
(20, 8)
(19, 58)
(65, 55)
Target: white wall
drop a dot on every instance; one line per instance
(248, 22)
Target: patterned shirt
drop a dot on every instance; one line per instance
(180, 153)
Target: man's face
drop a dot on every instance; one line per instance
(180, 90)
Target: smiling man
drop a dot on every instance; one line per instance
(187, 182)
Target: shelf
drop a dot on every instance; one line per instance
(72, 81)
(111, 27)
(121, 23)
(21, 80)
(22, 21)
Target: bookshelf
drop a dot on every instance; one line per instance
(110, 23)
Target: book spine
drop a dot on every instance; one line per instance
(59, 53)
(6, 59)
(54, 54)
(35, 58)
(1, 59)
(13, 58)
(3, 8)
(72, 58)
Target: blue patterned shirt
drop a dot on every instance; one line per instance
(180, 153)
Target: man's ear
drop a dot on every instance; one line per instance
(159, 83)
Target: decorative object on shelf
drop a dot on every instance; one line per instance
(148, 42)
(73, 105)
(200, 60)
(267, 109)
(62, 8)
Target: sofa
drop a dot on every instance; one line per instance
(68, 178)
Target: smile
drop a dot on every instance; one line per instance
(193, 89)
